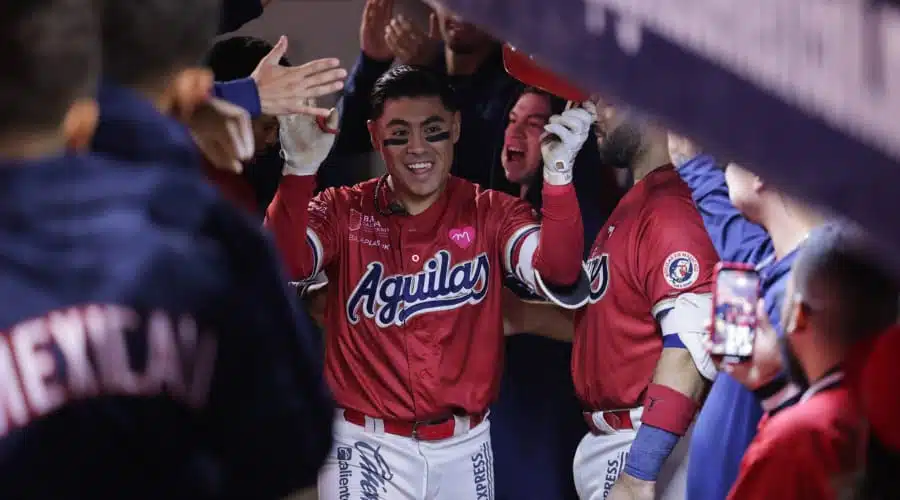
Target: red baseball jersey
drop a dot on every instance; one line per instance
(413, 319)
(814, 449)
(653, 248)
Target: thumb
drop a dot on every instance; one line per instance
(434, 31)
(277, 52)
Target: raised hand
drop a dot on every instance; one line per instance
(284, 90)
(223, 133)
(375, 20)
(563, 138)
(411, 45)
(306, 141)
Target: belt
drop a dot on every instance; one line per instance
(619, 420)
(427, 430)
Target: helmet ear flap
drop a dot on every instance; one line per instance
(523, 68)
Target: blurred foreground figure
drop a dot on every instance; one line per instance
(132, 365)
(835, 297)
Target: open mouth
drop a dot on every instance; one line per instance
(514, 153)
(420, 168)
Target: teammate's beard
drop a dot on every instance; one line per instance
(794, 368)
(623, 145)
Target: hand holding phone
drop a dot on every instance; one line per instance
(734, 321)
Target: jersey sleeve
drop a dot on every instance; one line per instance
(306, 229)
(527, 255)
(678, 256)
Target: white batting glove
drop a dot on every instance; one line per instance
(563, 138)
(306, 141)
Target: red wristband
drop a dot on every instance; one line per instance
(668, 409)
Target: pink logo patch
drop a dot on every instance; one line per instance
(463, 237)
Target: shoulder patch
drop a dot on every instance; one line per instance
(681, 270)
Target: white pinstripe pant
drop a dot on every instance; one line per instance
(368, 464)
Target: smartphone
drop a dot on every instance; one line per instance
(735, 295)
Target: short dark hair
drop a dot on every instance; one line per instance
(557, 104)
(838, 271)
(145, 41)
(405, 81)
(237, 56)
(50, 52)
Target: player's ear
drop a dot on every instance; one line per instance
(80, 123)
(188, 89)
(373, 135)
(758, 184)
(456, 127)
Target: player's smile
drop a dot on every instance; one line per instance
(420, 169)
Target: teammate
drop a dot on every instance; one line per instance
(638, 359)
(415, 261)
(131, 363)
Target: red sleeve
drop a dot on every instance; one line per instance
(678, 256)
(305, 228)
(233, 187)
(782, 468)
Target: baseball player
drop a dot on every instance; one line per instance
(415, 262)
(638, 361)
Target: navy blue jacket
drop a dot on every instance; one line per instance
(131, 130)
(146, 247)
(730, 415)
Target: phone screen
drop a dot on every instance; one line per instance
(734, 317)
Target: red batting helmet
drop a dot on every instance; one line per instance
(523, 68)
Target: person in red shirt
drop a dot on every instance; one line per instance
(836, 295)
(415, 262)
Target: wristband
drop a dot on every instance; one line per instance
(649, 451)
(667, 409)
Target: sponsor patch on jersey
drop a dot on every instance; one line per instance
(681, 270)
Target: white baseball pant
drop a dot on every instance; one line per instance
(368, 464)
(600, 459)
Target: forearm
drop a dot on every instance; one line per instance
(561, 243)
(287, 218)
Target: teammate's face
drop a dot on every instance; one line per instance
(416, 137)
(790, 311)
(619, 136)
(461, 37)
(521, 154)
(743, 189)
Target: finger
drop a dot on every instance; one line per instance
(277, 52)
(314, 67)
(407, 27)
(572, 125)
(333, 77)
(577, 119)
(762, 317)
(558, 130)
(434, 29)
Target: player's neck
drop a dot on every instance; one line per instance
(656, 156)
(824, 357)
(414, 205)
(788, 224)
(32, 146)
(465, 64)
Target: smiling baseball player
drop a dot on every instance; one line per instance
(415, 262)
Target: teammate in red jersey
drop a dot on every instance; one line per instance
(415, 262)
(638, 360)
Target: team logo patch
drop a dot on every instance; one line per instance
(681, 270)
(463, 237)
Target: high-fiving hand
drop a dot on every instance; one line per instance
(306, 141)
(285, 90)
(563, 138)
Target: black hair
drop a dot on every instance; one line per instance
(146, 41)
(50, 50)
(838, 272)
(405, 81)
(236, 57)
